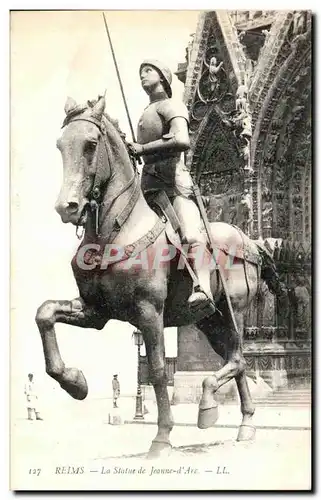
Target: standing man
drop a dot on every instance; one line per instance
(162, 138)
(116, 390)
(32, 398)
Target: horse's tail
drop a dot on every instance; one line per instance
(270, 274)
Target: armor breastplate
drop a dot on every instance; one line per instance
(164, 170)
(152, 127)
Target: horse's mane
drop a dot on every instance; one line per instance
(113, 121)
(79, 109)
(122, 135)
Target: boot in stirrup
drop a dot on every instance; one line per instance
(200, 298)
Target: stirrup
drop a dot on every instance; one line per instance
(205, 307)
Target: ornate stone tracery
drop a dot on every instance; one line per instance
(251, 154)
(284, 127)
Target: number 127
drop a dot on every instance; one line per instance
(35, 472)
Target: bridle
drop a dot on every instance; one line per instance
(95, 198)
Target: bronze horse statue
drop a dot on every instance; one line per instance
(101, 192)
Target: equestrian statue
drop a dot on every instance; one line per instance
(148, 254)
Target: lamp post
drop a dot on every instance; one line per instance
(139, 415)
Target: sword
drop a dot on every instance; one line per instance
(120, 84)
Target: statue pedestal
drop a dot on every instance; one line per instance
(277, 379)
(267, 361)
(188, 388)
(195, 361)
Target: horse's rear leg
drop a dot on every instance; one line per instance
(72, 312)
(227, 343)
(151, 326)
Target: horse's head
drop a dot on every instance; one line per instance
(82, 151)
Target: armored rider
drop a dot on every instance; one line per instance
(162, 139)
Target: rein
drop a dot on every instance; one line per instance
(96, 206)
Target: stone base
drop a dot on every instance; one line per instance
(188, 388)
(267, 361)
(114, 417)
(277, 379)
(148, 392)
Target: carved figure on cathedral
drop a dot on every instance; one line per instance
(243, 118)
(249, 70)
(246, 125)
(189, 47)
(241, 98)
(213, 69)
(246, 156)
(302, 305)
(267, 211)
(245, 211)
(246, 200)
(299, 22)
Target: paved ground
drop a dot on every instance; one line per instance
(75, 448)
(230, 416)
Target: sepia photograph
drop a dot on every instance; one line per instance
(160, 250)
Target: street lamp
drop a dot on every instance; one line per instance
(138, 339)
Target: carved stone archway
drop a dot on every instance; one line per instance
(266, 189)
(281, 142)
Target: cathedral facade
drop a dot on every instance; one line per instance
(247, 77)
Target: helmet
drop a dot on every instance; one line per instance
(163, 70)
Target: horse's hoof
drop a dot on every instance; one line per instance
(207, 417)
(74, 383)
(246, 433)
(159, 449)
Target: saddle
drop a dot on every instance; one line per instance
(163, 207)
(218, 246)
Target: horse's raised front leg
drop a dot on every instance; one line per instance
(151, 326)
(72, 312)
(228, 344)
